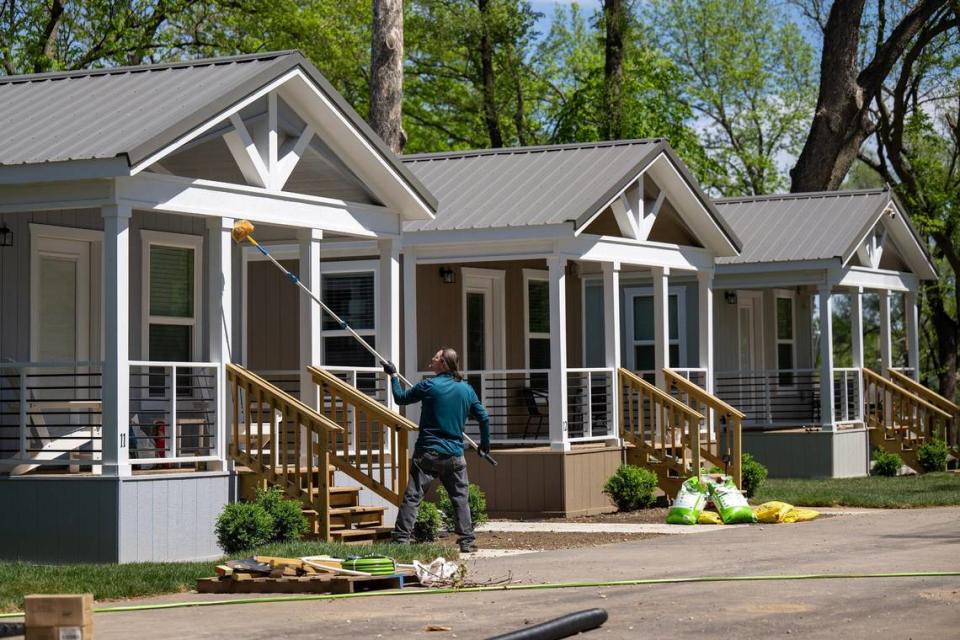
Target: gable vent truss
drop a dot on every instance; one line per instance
(870, 250)
(635, 214)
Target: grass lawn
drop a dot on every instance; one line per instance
(902, 492)
(112, 582)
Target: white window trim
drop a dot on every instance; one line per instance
(538, 275)
(792, 296)
(343, 267)
(498, 311)
(183, 241)
(680, 340)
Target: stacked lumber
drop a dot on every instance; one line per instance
(271, 574)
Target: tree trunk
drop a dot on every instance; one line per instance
(488, 77)
(842, 120)
(386, 73)
(614, 15)
(947, 331)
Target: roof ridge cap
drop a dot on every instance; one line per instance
(182, 64)
(498, 151)
(808, 195)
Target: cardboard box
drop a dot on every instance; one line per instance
(66, 632)
(75, 610)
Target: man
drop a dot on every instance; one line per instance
(447, 402)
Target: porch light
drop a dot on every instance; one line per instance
(6, 236)
(730, 297)
(448, 275)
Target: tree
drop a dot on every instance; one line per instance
(386, 73)
(615, 20)
(851, 79)
(749, 80)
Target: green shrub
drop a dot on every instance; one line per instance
(475, 498)
(754, 474)
(428, 524)
(885, 464)
(242, 526)
(631, 487)
(932, 455)
(289, 523)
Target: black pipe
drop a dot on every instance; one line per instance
(562, 627)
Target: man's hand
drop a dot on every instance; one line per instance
(389, 368)
(485, 448)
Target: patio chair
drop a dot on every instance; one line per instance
(534, 414)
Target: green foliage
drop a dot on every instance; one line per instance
(754, 474)
(902, 492)
(475, 498)
(428, 524)
(243, 525)
(289, 523)
(886, 464)
(932, 455)
(631, 487)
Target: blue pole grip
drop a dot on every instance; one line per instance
(293, 278)
(261, 250)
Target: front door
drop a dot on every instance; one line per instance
(749, 330)
(61, 301)
(483, 330)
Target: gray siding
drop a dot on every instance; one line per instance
(164, 518)
(816, 454)
(59, 520)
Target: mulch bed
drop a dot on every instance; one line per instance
(654, 515)
(548, 540)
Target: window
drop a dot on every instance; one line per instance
(172, 303)
(786, 346)
(643, 328)
(352, 296)
(537, 325)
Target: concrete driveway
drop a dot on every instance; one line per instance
(867, 542)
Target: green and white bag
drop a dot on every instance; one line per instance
(690, 501)
(730, 503)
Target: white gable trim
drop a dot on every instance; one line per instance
(900, 233)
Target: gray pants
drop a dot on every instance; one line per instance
(452, 472)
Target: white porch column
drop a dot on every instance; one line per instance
(705, 307)
(116, 319)
(910, 311)
(886, 348)
(826, 358)
(388, 327)
(311, 315)
(661, 322)
(558, 352)
(611, 339)
(220, 314)
(856, 326)
(410, 345)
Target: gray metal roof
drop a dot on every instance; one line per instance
(801, 226)
(136, 111)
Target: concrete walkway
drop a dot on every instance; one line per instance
(508, 526)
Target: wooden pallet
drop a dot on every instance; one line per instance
(306, 584)
(356, 584)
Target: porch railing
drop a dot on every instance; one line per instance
(50, 415)
(720, 430)
(590, 404)
(371, 380)
(175, 413)
(773, 397)
(283, 441)
(951, 434)
(371, 445)
(848, 394)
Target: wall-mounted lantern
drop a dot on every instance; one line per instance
(6, 235)
(448, 275)
(730, 297)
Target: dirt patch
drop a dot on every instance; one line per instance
(655, 515)
(550, 540)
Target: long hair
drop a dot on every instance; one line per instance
(452, 362)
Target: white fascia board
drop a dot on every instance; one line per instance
(653, 254)
(209, 198)
(910, 249)
(64, 171)
(499, 252)
(468, 237)
(747, 268)
(771, 279)
(706, 229)
(82, 194)
(878, 279)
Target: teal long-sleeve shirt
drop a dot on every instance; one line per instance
(447, 403)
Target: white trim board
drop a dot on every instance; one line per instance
(183, 241)
(490, 281)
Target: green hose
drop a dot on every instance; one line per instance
(523, 587)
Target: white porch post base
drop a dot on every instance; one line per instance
(557, 266)
(116, 364)
(611, 340)
(827, 416)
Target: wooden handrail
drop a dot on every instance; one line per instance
(701, 394)
(271, 391)
(894, 387)
(357, 397)
(661, 395)
(924, 392)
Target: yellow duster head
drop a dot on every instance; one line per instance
(242, 230)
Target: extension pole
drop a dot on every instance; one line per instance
(243, 230)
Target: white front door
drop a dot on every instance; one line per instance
(60, 310)
(483, 319)
(750, 330)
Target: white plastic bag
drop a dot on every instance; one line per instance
(440, 572)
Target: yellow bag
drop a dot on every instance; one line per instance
(772, 512)
(709, 517)
(800, 515)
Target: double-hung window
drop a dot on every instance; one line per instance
(171, 266)
(537, 324)
(643, 331)
(786, 342)
(352, 295)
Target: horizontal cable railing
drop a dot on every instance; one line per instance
(697, 376)
(847, 394)
(51, 415)
(951, 434)
(590, 403)
(786, 397)
(174, 413)
(371, 446)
